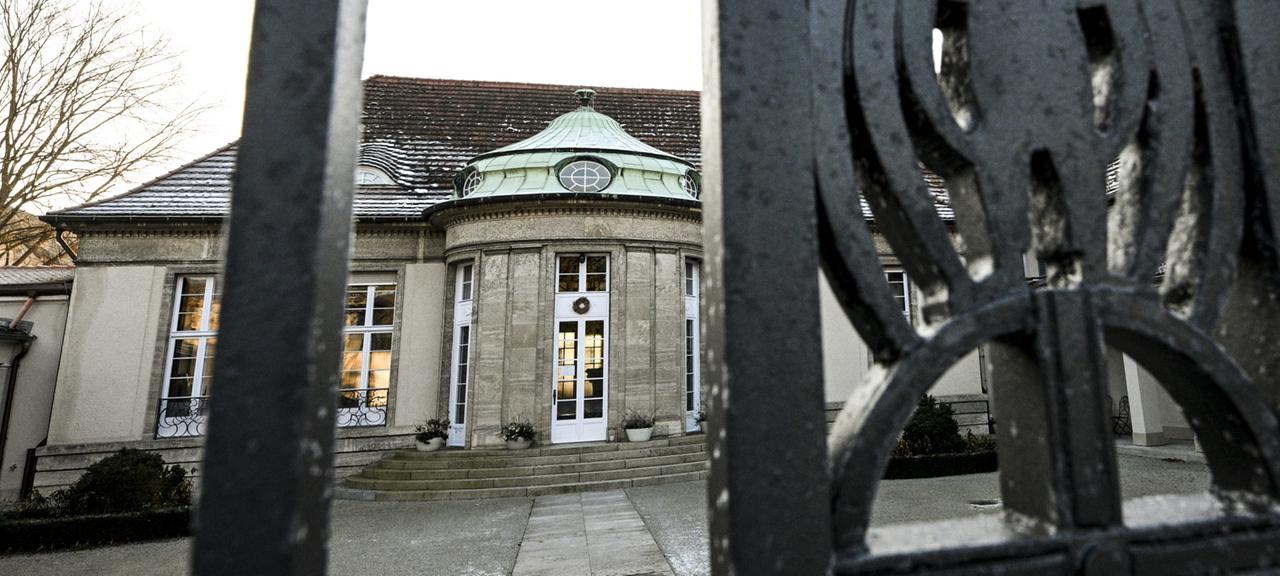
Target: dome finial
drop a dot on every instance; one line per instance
(586, 96)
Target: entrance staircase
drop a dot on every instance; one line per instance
(496, 473)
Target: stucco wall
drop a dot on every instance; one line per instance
(104, 377)
(112, 368)
(846, 360)
(37, 375)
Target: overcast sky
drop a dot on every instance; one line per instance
(630, 43)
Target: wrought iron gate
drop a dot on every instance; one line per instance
(1033, 101)
(806, 107)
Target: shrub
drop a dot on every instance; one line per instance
(518, 430)
(979, 443)
(635, 419)
(31, 535)
(932, 430)
(435, 428)
(34, 506)
(941, 465)
(127, 481)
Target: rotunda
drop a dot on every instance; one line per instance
(573, 260)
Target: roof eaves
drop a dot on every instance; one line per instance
(56, 219)
(143, 186)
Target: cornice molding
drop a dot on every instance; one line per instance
(449, 218)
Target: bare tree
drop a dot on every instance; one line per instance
(86, 95)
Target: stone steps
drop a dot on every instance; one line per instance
(507, 459)
(516, 492)
(590, 448)
(472, 474)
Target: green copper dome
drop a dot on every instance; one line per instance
(581, 152)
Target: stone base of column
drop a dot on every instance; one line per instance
(1149, 439)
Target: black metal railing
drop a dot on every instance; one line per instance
(181, 416)
(184, 416)
(362, 407)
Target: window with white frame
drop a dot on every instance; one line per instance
(366, 354)
(193, 330)
(582, 273)
(460, 374)
(193, 336)
(369, 176)
(901, 289)
(692, 345)
(466, 282)
(691, 278)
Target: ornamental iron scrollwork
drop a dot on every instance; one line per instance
(362, 407)
(181, 417)
(1034, 104)
(184, 417)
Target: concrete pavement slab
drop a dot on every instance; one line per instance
(617, 540)
(471, 538)
(590, 534)
(555, 541)
(676, 515)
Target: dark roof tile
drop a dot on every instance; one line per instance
(422, 132)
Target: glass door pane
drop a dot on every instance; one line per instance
(567, 371)
(593, 369)
(462, 378)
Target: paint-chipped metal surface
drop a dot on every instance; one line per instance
(267, 476)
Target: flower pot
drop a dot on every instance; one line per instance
(519, 444)
(430, 445)
(639, 434)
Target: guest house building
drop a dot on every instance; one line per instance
(521, 252)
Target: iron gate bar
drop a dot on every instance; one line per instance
(268, 472)
(767, 493)
(1256, 295)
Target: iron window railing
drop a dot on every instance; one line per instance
(181, 416)
(184, 416)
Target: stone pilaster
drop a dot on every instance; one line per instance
(638, 376)
(668, 342)
(523, 380)
(490, 348)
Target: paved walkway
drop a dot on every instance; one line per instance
(650, 530)
(1184, 450)
(604, 525)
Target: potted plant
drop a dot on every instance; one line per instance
(518, 434)
(431, 436)
(701, 419)
(639, 425)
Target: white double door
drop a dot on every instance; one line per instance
(580, 383)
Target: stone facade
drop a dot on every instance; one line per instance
(514, 248)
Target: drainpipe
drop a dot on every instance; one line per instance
(57, 235)
(11, 385)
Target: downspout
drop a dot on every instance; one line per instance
(11, 385)
(57, 235)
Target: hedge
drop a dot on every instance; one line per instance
(32, 535)
(932, 466)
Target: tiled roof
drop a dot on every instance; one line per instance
(22, 276)
(421, 132)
